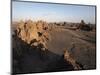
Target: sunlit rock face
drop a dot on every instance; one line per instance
(29, 31)
(74, 49)
(70, 58)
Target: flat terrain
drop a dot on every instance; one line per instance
(80, 43)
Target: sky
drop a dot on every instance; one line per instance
(52, 12)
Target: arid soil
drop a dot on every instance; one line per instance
(80, 43)
(48, 47)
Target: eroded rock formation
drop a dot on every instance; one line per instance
(70, 58)
(30, 31)
(40, 44)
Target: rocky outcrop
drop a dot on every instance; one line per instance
(29, 31)
(38, 47)
(83, 26)
(70, 58)
(31, 59)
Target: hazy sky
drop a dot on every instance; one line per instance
(52, 12)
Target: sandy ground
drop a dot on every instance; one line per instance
(80, 43)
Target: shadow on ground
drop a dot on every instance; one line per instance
(31, 59)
